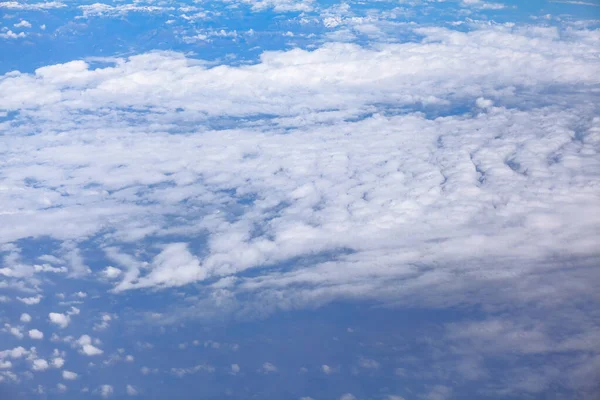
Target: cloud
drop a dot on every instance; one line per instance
(106, 10)
(181, 372)
(268, 368)
(105, 390)
(327, 369)
(131, 391)
(68, 375)
(14, 5)
(36, 334)
(30, 300)
(22, 24)
(86, 346)
(62, 320)
(368, 363)
(455, 168)
(16, 331)
(39, 365)
(111, 272)
(235, 369)
(173, 266)
(58, 362)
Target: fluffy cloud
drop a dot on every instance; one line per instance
(39, 365)
(16, 331)
(36, 334)
(58, 362)
(111, 272)
(86, 347)
(62, 320)
(68, 375)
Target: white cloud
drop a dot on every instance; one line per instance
(268, 368)
(22, 24)
(31, 6)
(106, 390)
(106, 10)
(131, 391)
(15, 353)
(58, 362)
(111, 272)
(68, 375)
(39, 364)
(61, 387)
(86, 346)
(59, 319)
(174, 266)
(16, 331)
(30, 300)
(235, 368)
(347, 396)
(344, 151)
(12, 35)
(36, 334)
(181, 372)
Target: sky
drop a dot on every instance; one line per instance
(300, 199)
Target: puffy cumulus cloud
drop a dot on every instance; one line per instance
(111, 272)
(17, 352)
(22, 24)
(16, 331)
(62, 320)
(25, 318)
(86, 347)
(58, 362)
(61, 387)
(39, 364)
(36, 334)
(235, 369)
(347, 396)
(104, 323)
(68, 375)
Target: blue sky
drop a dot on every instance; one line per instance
(296, 199)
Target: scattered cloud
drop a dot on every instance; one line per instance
(68, 375)
(36, 334)
(62, 320)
